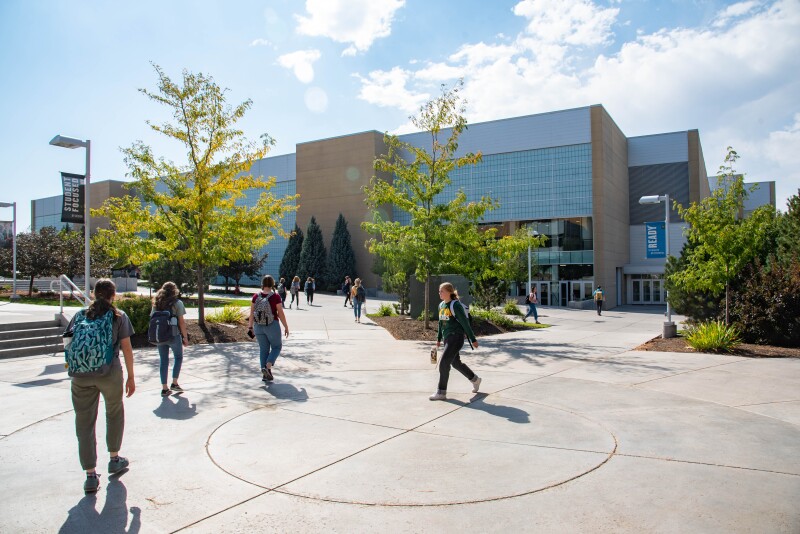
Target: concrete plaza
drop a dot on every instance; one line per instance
(572, 431)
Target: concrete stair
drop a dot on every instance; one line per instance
(30, 338)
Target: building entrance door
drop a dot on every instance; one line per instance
(648, 291)
(543, 292)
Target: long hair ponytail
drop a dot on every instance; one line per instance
(104, 291)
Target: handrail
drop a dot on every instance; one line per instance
(64, 279)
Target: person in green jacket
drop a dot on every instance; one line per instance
(453, 326)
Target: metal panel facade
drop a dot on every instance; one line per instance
(667, 179)
(657, 149)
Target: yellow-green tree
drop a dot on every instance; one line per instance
(191, 212)
(419, 176)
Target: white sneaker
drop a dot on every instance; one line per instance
(476, 383)
(438, 396)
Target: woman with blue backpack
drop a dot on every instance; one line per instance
(167, 304)
(99, 331)
(453, 327)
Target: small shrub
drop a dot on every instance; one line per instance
(385, 310)
(229, 314)
(138, 310)
(511, 308)
(491, 316)
(713, 336)
(433, 315)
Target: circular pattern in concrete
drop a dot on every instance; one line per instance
(343, 449)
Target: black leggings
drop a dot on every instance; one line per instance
(452, 344)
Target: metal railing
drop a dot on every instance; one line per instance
(62, 281)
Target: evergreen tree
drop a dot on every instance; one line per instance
(291, 256)
(789, 230)
(312, 255)
(342, 260)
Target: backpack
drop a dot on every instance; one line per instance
(89, 348)
(598, 295)
(262, 313)
(161, 330)
(361, 295)
(282, 291)
(528, 298)
(466, 311)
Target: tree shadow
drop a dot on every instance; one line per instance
(112, 519)
(180, 409)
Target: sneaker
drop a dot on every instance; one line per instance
(117, 464)
(268, 373)
(439, 395)
(264, 374)
(537, 322)
(176, 387)
(166, 392)
(92, 484)
(476, 384)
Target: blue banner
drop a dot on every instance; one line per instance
(655, 240)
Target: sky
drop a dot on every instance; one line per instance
(322, 68)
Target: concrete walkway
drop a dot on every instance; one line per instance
(571, 432)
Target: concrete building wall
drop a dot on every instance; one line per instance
(610, 201)
(331, 174)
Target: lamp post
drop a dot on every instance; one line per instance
(670, 330)
(13, 205)
(533, 233)
(70, 142)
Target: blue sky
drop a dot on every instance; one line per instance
(323, 68)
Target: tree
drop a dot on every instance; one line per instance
(342, 259)
(163, 270)
(313, 261)
(788, 231)
(723, 241)
(189, 213)
(237, 269)
(435, 228)
(291, 256)
(35, 254)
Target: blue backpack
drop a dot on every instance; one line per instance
(89, 347)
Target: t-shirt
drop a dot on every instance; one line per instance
(274, 300)
(121, 328)
(177, 309)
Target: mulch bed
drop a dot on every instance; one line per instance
(405, 327)
(214, 333)
(678, 344)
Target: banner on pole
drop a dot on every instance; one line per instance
(72, 208)
(6, 234)
(655, 240)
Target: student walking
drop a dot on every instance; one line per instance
(266, 310)
(599, 297)
(453, 326)
(295, 291)
(166, 299)
(346, 286)
(309, 290)
(531, 300)
(87, 388)
(282, 291)
(359, 295)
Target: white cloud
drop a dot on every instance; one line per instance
(573, 22)
(388, 89)
(260, 42)
(357, 23)
(301, 63)
(734, 11)
(439, 72)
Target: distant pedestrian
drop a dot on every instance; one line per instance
(266, 309)
(309, 290)
(453, 327)
(295, 291)
(599, 297)
(532, 300)
(166, 299)
(359, 298)
(346, 286)
(86, 390)
(282, 291)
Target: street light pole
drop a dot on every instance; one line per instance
(70, 142)
(13, 205)
(669, 327)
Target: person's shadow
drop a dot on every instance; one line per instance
(286, 391)
(514, 415)
(112, 519)
(176, 409)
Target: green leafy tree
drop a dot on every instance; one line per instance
(789, 231)
(291, 256)
(724, 242)
(235, 270)
(163, 270)
(436, 226)
(313, 261)
(342, 259)
(189, 213)
(35, 254)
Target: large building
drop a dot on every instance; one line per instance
(570, 175)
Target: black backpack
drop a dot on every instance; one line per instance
(161, 331)
(361, 295)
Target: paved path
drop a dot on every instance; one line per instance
(571, 432)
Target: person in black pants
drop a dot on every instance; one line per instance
(346, 290)
(453, 326)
